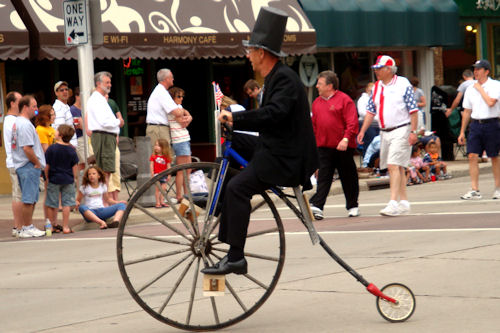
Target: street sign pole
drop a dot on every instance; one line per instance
(86, 78)
(77, 31)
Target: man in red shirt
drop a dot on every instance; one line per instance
(335, 124)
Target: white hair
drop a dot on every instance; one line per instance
(98, 77)
(393, 69)
(162, 74)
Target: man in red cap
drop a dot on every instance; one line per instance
(393, 101)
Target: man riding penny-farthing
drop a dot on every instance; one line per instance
(161, 263)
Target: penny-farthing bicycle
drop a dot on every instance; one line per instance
(161, 252)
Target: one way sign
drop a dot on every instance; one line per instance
(75, 22)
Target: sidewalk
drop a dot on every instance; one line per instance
(459, 168)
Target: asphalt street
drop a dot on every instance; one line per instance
(446, 251)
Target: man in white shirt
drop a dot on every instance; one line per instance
(12, 101)
(62, 109)
(160, 103)
(104, 125)
(481, 107)
(29, 161)
(394, 102)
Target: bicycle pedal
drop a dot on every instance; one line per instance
(214, 285)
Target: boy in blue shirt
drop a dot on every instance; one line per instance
(61, 173)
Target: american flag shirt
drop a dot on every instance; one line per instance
(393, 102)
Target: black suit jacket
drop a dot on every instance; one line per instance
(286, 153)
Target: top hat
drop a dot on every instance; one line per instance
(268, 31)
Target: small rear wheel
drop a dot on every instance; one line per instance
(161, 252)
(404, 306)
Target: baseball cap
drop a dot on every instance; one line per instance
(482, 64)
(59, 84)
(382, 61)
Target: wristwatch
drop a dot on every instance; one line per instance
(345, 139)
(414, 132)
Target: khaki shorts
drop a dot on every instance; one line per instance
(395, 148)
(156, 132)
(104, 147)
(80, 150)
(114, 179)
(16, 189)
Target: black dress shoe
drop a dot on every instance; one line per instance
(224, 266)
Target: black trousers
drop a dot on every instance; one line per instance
(236, 206)
(329, 160)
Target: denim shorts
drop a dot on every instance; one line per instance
(103, 213)
(29, 181)
(67, 191)
(484, 137)
(182, 148)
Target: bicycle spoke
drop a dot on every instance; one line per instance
(248, 276)
(177, 283)
(258, 205)
(191, 202)
(159, 276)
(166, 224)
(232, 291)
(212, 298)
(156, 238)
(193, 291)
(251, 255)
(176, 211)
(263, 232)
(156, 256)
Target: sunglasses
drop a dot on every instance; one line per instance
(63, 89)
(180, 96)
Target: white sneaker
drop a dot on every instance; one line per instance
(317, 213)
(472, 195)
(353, 212)
(25, 233)
(390, 210)
(14, 232)
(496, 194)
(36, 232)
(403, 209)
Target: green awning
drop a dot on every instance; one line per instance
(377, 23)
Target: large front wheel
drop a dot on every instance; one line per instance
(161, 252)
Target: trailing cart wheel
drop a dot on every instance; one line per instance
(404, 307)
(161, 252)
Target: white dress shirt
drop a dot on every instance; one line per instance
(160, 103)
(100, 116)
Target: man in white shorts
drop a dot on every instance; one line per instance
(393, 101)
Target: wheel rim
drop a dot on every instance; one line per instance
(404, 307)
(161, 251)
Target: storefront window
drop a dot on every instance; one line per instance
(456, 61)
(496, 50)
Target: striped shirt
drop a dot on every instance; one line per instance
(177, 132)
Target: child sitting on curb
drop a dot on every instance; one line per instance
(95, 192)
(435, 162)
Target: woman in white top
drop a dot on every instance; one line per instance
(180, 139)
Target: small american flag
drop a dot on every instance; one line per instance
(218, 94)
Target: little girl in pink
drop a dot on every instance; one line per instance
(417, 165)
